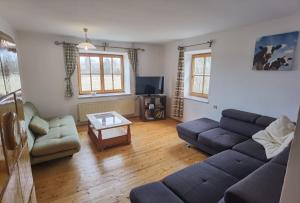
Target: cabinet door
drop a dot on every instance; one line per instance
(21, 116)
(10, 133)
(25, 173)
(13, 193)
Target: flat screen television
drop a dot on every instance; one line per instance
(149, 85)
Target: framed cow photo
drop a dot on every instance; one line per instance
(275, 52)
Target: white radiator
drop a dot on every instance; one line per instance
(122, 106)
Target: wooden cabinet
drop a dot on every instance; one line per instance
(16, 182)
(26, 180)
(13, 193)
(153, 107)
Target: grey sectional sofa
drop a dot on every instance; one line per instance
(62, 139)
(238, 171)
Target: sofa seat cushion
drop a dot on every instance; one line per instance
(234, 163)
(61, 121)
(153, 193)
(220, 139)
(253, 149)
(61, 137)
(262, 186)
(200, 182)
(191, 129)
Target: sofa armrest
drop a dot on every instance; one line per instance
(262, 186)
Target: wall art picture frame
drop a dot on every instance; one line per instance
(275, 52)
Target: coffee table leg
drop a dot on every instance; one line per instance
(128, 134)
(100, 141)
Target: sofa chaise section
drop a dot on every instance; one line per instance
(242, 179)
(263, 185)
(238, 168)
(62, 139)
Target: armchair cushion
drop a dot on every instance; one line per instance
(62, 136)
(39, 126)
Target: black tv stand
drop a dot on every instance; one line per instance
(153, 107)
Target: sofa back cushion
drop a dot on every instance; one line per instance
(264, 121)
(283, 157)
(240, 115)
(240, 127)
(244, 123)
(261, 186)
(29, 111)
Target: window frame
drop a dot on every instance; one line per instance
(194, 56)
(101, 67)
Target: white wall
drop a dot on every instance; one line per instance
(6, 28)
(233, 82)
(42, 72)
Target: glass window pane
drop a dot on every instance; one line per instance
(107, 66)
(108, 85)
(117, 66)
(85, 73)
(199, 66)
(85, 82)
(197, 84)
(206, 84)
(117, 82)
(84, 65)
(96, 83)
(95, 65)
(207, 66)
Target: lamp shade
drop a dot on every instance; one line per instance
(86, 46)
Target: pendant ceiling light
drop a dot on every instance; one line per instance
(86, 44)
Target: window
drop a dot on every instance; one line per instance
(100, 73)
(200, 75)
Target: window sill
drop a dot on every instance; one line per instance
(89, 96)
(198, 99)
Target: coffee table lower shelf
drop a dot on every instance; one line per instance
(106, 138)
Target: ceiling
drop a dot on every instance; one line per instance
(140, 20)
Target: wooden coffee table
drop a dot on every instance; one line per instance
(108, 129)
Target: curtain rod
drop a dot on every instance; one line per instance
(210, 42)
(106, 45)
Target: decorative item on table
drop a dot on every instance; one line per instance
(275, 52)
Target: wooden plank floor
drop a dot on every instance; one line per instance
(108, 176)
